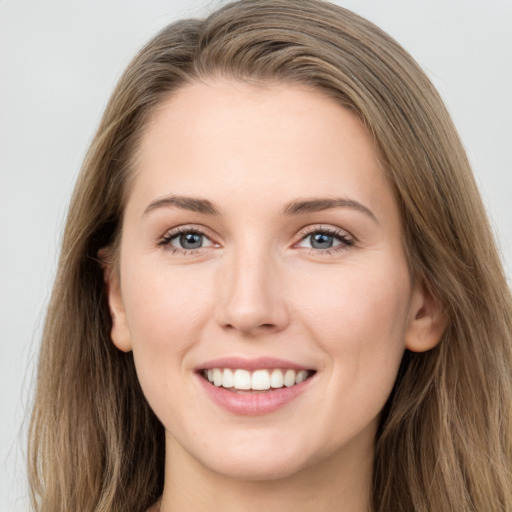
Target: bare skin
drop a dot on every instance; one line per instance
(272, 274)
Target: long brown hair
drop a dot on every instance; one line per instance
(444, 441)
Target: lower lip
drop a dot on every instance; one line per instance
(253, 403)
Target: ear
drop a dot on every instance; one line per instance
(427, 321)
(120, 333)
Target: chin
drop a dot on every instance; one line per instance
(257, 470)
(257, 459)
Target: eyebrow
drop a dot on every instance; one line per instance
(298, 207)
(321, 204)
(192, 204)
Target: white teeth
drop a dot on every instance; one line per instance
(242, 379)
(301, 376)
(217, 377)
(259, 380)
(289, 378)
(228, 380)
(276, 379)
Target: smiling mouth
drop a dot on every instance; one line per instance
(244, 381)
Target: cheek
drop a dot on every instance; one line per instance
(359, 304)
(359, 317)
(166, 311)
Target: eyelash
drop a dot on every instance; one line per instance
(175, 233)
(345, 239)
(342, 236)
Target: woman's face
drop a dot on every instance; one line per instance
(262, 245)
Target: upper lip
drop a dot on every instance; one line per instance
(258, 363)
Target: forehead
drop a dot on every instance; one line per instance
(273, 142)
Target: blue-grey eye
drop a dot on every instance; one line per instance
(321, 240)
(188, 240)
(191, 240)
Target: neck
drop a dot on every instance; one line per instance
(340, 482)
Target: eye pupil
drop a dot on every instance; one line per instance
(191, 240)
(321, 241)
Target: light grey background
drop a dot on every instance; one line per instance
(59, 61)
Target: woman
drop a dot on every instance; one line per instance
(277, 287)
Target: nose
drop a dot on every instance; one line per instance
(252, 299)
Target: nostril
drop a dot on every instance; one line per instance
(265, 327)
